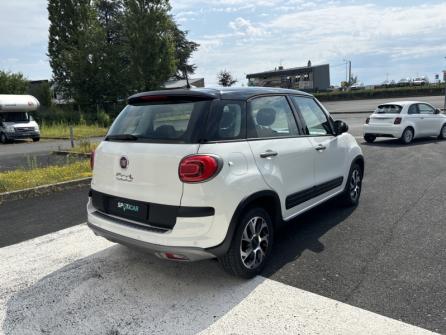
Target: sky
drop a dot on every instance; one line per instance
(391, 39)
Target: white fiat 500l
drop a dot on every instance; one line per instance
(405, 120)
(202, 173)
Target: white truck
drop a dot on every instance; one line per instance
(15, 120)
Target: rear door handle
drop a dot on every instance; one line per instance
(321, 147)
(268, 153)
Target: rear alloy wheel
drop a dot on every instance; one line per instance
(407, 136)
(442, 135)
(3, 138)
(251, 245)
(369, 138)
(353, 188)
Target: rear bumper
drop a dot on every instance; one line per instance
(190, 236)
(192, 254)
(383, 130)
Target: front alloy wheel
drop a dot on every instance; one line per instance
(353, 188)
(251, 245)
(355, 185)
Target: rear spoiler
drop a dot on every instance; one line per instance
(172, 95)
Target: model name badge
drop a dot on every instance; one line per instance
(124, 177)
(128, 207)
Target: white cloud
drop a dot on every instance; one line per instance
(23, 23)
(244, 27)
(328, 33)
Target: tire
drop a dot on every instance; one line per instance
(36, 139)
(3, 138)
(407, 136)
(442, 135)
(353, 187)
(369, 138)
(250, 250)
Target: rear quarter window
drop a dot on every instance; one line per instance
(226, 121)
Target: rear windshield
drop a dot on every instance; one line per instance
(14, 117)
(389, 109)
(170, 121)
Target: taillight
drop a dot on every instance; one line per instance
(397, 120)
(199, 168)
(92, 159)
(367, 121)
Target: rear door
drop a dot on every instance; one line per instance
(284, 158)
(140, 156)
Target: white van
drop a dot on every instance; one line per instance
(15, 120)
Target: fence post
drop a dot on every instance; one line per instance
(72, 136)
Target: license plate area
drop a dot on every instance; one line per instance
(128, 209)
(150, 214)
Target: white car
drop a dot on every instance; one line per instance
(405, 120)
(203, 173)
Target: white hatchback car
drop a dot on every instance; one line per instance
(405, 120)
(203, 173)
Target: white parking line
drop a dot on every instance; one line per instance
(72, 282)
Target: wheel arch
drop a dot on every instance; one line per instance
(267, 199)
(359, 159)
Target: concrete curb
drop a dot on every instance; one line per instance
(44, 189)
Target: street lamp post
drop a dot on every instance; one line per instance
(444, 79)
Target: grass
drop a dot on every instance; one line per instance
(84, 147)
(22, 179)
(62, 130)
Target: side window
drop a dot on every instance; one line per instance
(315, 118)
(413, 109)
(426, 109)
(227, 121)
(271, 117)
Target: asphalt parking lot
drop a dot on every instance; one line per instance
(386, 256)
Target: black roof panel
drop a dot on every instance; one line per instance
(228, 93)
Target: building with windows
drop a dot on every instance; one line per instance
(307, 78)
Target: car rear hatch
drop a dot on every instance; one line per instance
(385, 114)
(140, 156)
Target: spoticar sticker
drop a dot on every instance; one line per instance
(128, 207)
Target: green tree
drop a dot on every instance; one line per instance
(41, 92)
(183, 51)
(103, 50)
(70, 23)
(12, 83)
(151, 48)
(114, 61)
(225, 79)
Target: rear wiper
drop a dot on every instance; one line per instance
(122, 137)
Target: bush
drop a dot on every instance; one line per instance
(69, 114)
(382, 93)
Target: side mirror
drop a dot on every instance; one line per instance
(340, 127)
(437, 111)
